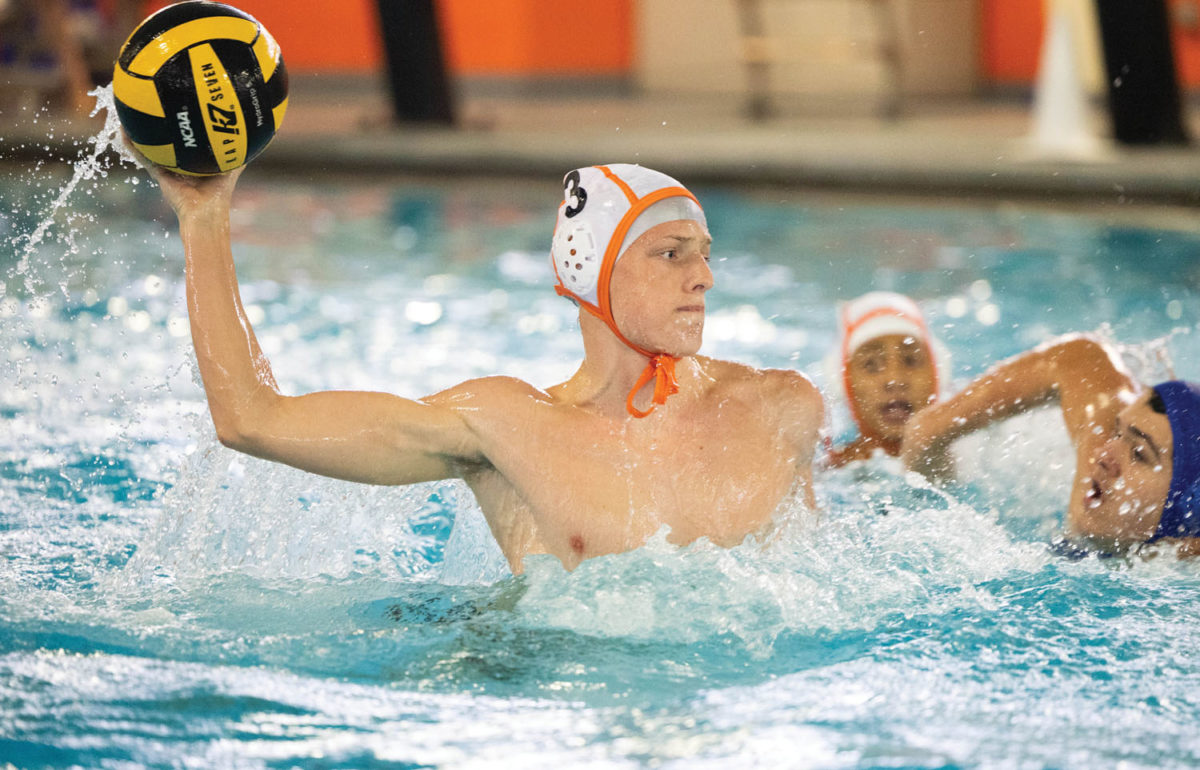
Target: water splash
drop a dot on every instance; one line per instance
(886, 544)
(93, 165)
(228, 513)
(1151, 361)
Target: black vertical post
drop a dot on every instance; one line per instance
(415, 66)
(1143, 88)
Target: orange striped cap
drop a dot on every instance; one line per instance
(604, 210)
(600, 216)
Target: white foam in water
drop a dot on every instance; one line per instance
(472, 557)
(229, 513)
(846, 568)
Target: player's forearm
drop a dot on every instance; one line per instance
(1004, 392)
(1009, 389)
(235, 372)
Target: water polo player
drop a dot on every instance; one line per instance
(1137, 449)
(645, 434)
(887, 367)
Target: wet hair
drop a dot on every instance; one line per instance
(1156, 403)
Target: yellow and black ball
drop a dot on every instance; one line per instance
(200, 87)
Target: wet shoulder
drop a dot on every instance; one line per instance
(783, 380)
(786, 392)
(490, 392)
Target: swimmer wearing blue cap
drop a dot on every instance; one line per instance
(1137, 448)
(645, 434)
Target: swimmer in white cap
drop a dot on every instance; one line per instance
(887, 367)
(645, 434)
(1137, 448)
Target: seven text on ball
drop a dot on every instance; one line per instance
(212, 81)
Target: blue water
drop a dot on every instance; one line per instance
(165, 602)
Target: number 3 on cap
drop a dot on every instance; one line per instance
(571, 189)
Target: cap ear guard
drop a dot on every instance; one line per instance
(576, 259)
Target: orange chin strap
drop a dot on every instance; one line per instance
(661, 369)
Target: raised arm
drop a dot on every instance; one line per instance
(359, 436)
(1082, 374)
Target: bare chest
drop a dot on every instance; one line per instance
(583, 488)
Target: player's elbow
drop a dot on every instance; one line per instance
(232, 431)
(240, 427)
(1079, 352)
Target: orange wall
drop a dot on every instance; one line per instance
(1187, 48)
(481, 37)
(541, 37)
(316, 36)
(537, 37)
(1012, 37)
(339, 36)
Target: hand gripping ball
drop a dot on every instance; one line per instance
(200, 87)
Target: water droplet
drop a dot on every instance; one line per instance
(988, 315)
(956, 307)
(980, 290)
(423, 313)
(117, 307)
(255, 314)
(138, 321)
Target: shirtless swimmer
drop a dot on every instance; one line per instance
(644, 434)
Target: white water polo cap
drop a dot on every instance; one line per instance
(604, 210)
(880, 314)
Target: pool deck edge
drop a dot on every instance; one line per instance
(974, 147)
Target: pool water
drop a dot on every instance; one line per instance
(166, 602)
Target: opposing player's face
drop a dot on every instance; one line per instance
(658, 288)
(1129, 476)
(890, 378)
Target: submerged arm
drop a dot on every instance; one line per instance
(358, 436)
(1080, 373)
